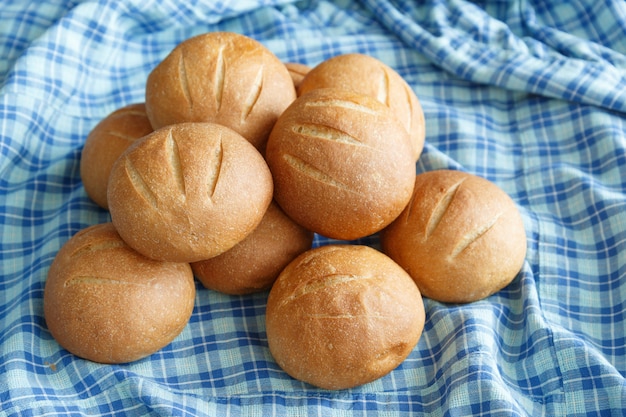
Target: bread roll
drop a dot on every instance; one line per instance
(341, 162)
(368, 75)
(188, 192)
(104, 144)
(340, 316)
(297, 72)
(224, 78)
(254, 263)
(461, 237)
(107, 303)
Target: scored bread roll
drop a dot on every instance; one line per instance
(220, 77)
(340, 316)
(341, 162)
(188, 192)
(105, 143)
(107, 303)
(461, 237)
(368, 75)
(254, 263)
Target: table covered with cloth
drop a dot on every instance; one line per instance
(529, 94)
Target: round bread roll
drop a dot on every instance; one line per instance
(297, 72)
(254, 263)
(188, 192)
(107, 303)
(341, 162)
(220, 77)
(368, 75)
(340, 316)
(461, 237)
(105, 143)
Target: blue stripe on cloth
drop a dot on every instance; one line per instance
(453, 37)
(527, 94)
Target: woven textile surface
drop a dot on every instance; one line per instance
(529, 94)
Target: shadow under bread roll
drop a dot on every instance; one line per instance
(254, 263)
(105, 143)
(297, 71)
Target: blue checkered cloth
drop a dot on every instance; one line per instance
(529, 94)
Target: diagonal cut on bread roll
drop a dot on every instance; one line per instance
(188, 192)
(220, 77)
(368, 75)
(105, 302)
(340, 316)
(461, 237)
(341, 162)
(105, 143)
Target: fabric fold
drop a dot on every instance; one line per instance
(463, 39)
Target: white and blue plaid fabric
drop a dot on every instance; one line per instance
(530, 94)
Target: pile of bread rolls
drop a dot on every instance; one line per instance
(227, 171)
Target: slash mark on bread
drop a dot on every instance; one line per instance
(98, 246)
(309, 170)
(327, 281)
(121, 135)
(218, 78)
(184, 81)
(215, 164)
(383, 88)
(441, 208)
(140, 186)
(310, 257)
(409, 104)
(102, 281)
(253, 96)
(177, 168)
(325, 133)
(345, 104)
(474, 235)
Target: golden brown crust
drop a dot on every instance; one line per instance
(105, 143)
(220, 77)
(340, 316)
(188, 192)
(368, 75)
(341, 163)
(298, 72)
(461, 237)
(105, 302)
(254, 263)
